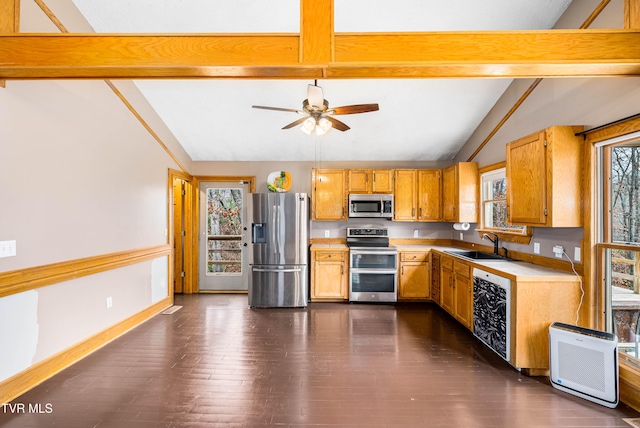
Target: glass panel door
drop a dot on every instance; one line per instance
(223, 265)
(224, 231)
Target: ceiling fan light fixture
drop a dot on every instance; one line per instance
(323, 126)
(308, 125)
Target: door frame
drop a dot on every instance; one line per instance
(189, 286)
(195, 249)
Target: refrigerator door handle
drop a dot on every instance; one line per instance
(273, 229)
(277, 270)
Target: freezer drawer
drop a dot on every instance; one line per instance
(283, 286)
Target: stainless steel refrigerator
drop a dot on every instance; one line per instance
(279, 237)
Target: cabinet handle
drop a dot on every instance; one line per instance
(341, 269)
(413, 212)
(366, 177)
(420, 211)
(402, 271)
(374, 176)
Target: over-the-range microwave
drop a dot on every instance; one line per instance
(371, 205)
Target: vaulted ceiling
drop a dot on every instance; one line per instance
(420, 118)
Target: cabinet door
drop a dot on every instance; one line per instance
(329, 195)
(360, 180)
(463, 300)
(404, 194)
(446, 290)
(382, 181)
(329, 278)
(414, 280)
(429, 195)
(449, 194)
(526, 180)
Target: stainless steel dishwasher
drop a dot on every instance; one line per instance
(492, 311)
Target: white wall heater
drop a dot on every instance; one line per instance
(584, 362)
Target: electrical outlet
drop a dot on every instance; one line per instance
(415, 233)
(7, 248)
(109, 302)
(558, 250)
(536, 248)
(576, 254)
(326, 234)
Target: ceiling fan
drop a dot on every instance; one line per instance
(318, 115)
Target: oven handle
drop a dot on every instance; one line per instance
(374, 271)
(376, 252)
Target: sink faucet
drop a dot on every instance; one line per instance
(495, 240)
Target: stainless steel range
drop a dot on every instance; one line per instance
(373, 265)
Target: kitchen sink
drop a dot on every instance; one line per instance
(476, 255)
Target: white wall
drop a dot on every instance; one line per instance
(79, 177)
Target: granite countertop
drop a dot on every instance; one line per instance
(515, 270)
(322, 246)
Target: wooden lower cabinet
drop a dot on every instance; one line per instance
(456, 289)
(413, 275)
(463, 290)
(329, 274)
(446, 284)
(536, 303)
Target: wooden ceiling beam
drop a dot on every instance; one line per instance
(9, 20)
(509, 54)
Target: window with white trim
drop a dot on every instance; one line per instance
(494, 203)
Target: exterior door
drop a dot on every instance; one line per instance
(223, 237)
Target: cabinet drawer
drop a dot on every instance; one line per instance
(330, 255)
(462, 269)
(446, 263)
(414, 256)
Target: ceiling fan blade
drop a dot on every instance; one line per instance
(337, 124)
(315, 97)
(297, 122)
(277, 109)
(358, 108)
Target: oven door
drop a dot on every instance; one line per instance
(373, 259)
(373, 285)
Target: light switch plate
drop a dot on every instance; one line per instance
(7, 248)
(536, 248)
(576, 254)
(326, 234)
(415, 233)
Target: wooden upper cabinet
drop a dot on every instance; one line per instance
(329, 194)
(544, 179)
(370, 181)
(460, 184)
(429, 195)
(404, 195)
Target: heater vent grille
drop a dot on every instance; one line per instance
(581, 365)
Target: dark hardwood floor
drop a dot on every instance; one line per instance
(217, 363)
